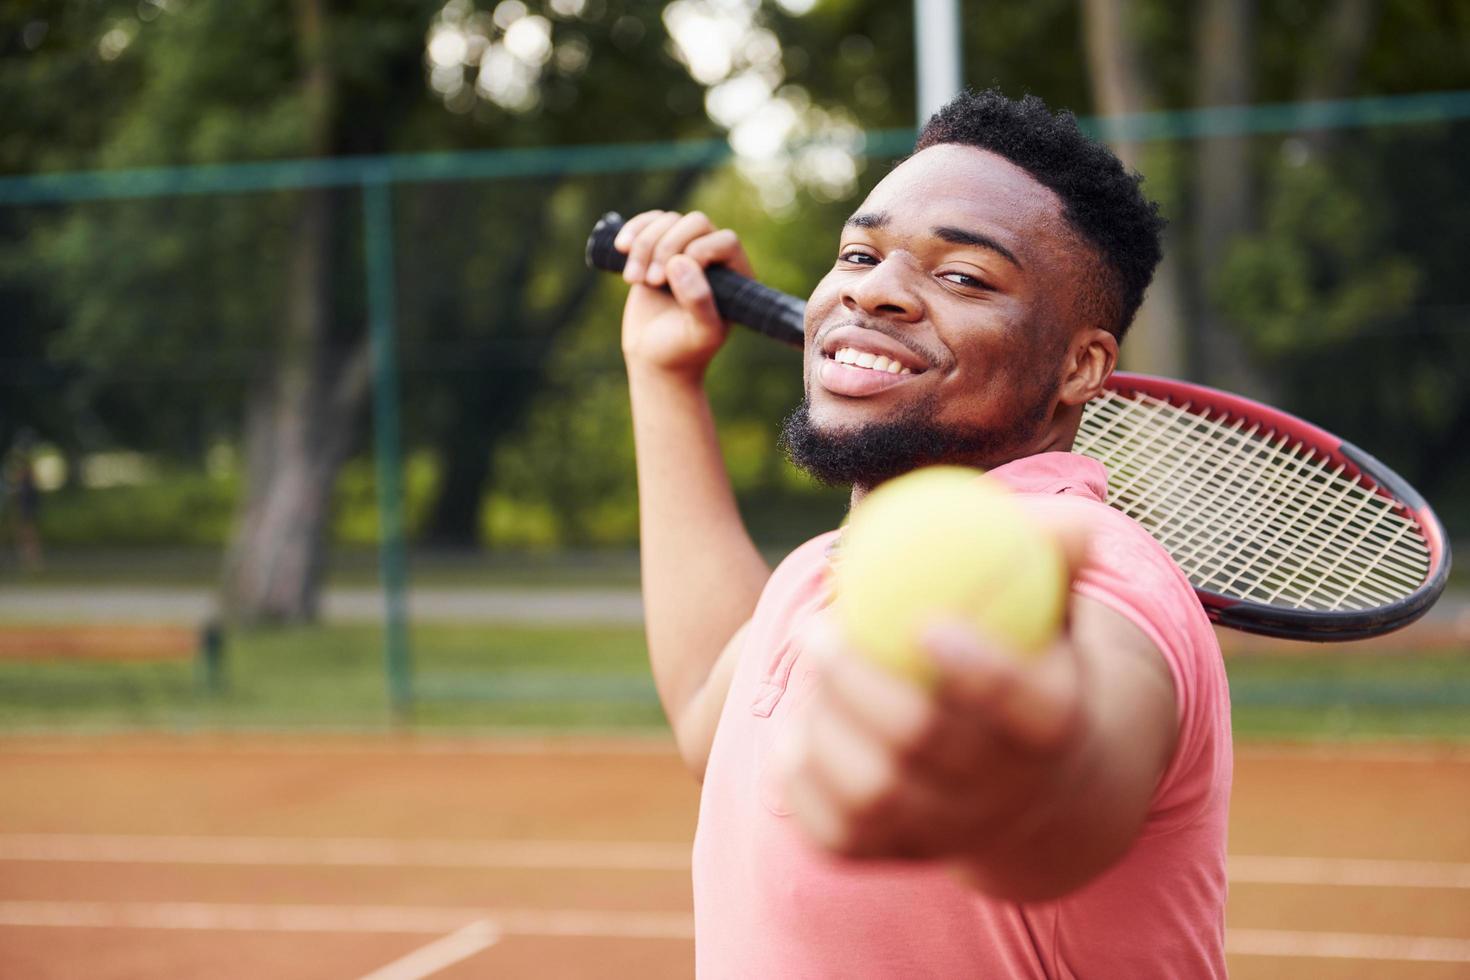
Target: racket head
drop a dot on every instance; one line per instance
(1283, 528)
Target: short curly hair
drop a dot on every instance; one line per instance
(1101, 200)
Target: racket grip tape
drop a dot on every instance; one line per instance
(738, 298)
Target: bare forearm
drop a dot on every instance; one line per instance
(1089, 812)
(701, 572)
(1075, 834)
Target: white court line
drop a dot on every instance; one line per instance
(446, 951)
(1345, 946)
(614, 925)
(1407, 752)
(345, 918)
(346, 851)
(234, 918)
(599, 855)
(1248, 869)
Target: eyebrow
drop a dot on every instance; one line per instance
(868, 219)
(946, 233)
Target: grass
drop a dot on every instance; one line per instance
(333, 677)
(1328, 695)
(597, 678)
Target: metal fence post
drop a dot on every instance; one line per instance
(377, 200)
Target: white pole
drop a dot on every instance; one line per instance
(937, 42)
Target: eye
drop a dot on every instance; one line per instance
(856, 256)
(966, 280)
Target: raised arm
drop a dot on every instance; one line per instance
(701, 572)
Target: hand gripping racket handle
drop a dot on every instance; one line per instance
(1273, 566)
(761, 308)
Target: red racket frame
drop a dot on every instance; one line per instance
(1310, 624)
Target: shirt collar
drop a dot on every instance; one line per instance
(1055, 472)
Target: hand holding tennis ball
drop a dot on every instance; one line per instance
(945, 543)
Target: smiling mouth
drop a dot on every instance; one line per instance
(868, 361)
(852, 372)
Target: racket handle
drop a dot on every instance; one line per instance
(738, 298)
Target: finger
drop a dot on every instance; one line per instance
(855, 798)
(856, 768)
(690, 287)
(891, 707)
(641, 251)
(806, 798)
(1034, 706)
(816, 813)
(721, 247)
(676, 240)
(624, 239)
(906, 718)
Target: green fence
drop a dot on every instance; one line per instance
(165, 286)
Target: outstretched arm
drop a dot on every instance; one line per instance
(701, 572)
(1030, 779)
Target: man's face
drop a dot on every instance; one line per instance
(953, 291)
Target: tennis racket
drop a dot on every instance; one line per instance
(1282, 528)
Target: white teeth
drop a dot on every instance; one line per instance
(874, 362)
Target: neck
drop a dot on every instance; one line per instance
(1057, 437)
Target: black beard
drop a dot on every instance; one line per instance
(867, 455)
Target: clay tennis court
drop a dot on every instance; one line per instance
(298, 857)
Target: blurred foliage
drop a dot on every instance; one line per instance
(567, 479)
(176, 507)
(1318, 274)
(157, 316)
(1351, 293)
(140, 324)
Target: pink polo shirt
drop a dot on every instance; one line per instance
(769, 905)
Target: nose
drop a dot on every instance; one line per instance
(886, 290)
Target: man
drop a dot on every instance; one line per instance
(1058, 820)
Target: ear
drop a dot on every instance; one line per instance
(1090, 360)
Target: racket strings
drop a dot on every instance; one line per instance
(1211, 555)
(1221, 561)
(1334, 515)
(1249, 513)
(1247, 447)
(1265, 554)
(1213, 491)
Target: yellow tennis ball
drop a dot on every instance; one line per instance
(945, 542)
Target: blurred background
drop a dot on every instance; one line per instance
(312, 420)
(300, 358)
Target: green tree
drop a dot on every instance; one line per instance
(269, 287)
(55, 100)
